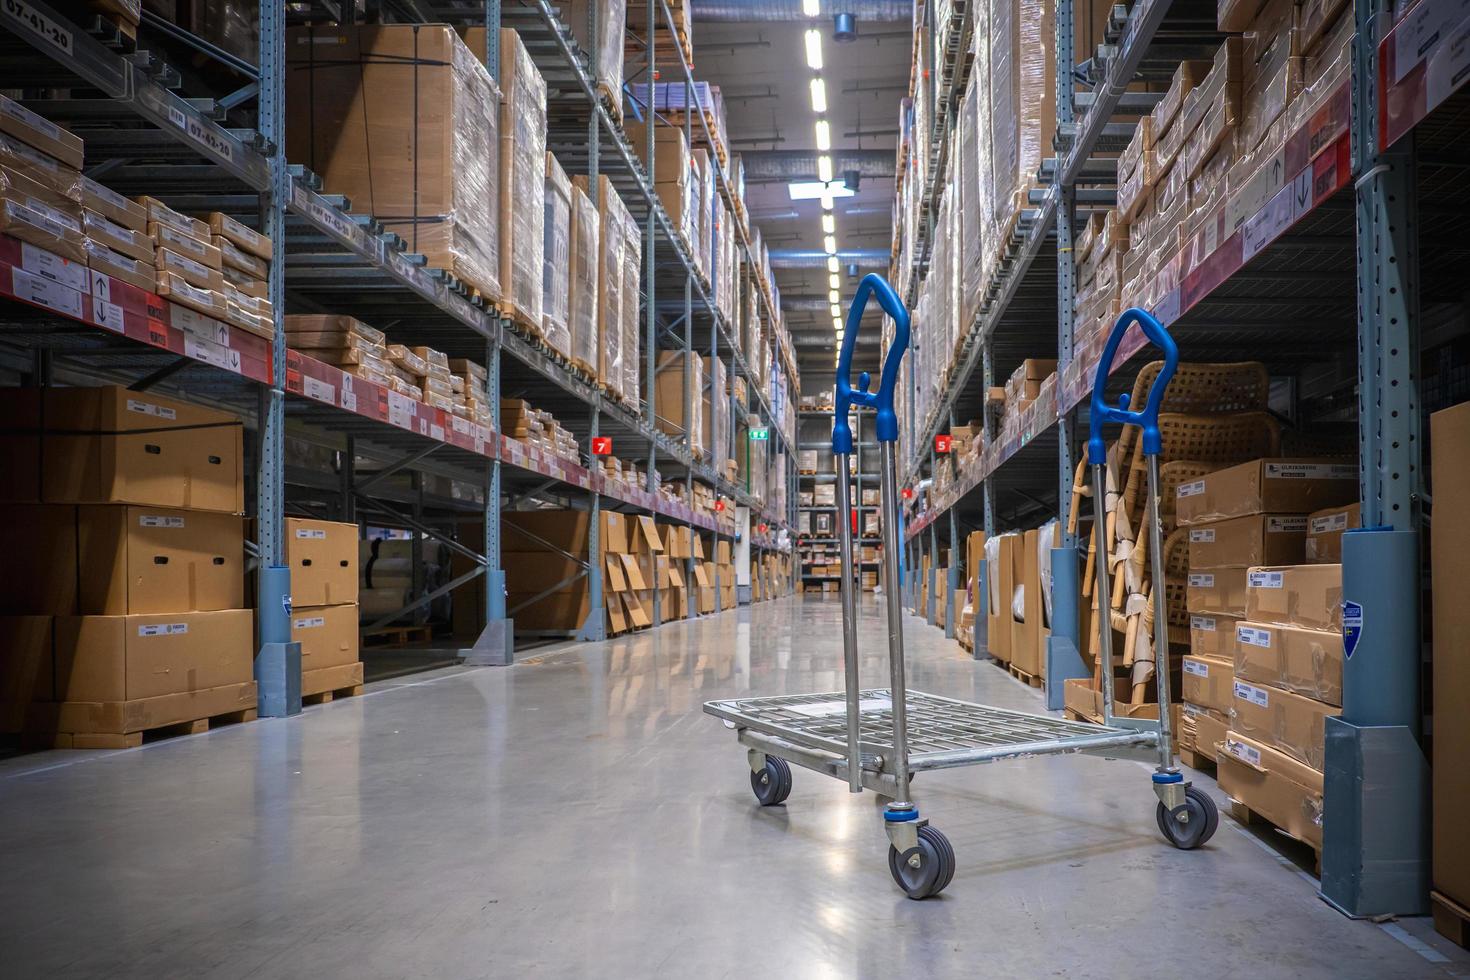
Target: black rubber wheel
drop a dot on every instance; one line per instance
(773, 783)
(1204, 818)
(936, 865)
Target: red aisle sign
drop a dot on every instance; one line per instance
(908, 493)
(941, 443)
(719, 506)
(602, 445)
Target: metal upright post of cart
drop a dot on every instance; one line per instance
(278, 661)
(1064, 645)
(1375, 849)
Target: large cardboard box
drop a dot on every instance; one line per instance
(1029, 635)
(1289, 722)
(1002, 591)
(1266, 486)
(1212, 636)
(1208, 728)
(404, 120)
(25, 668)
(670, 397)
(40, 133)
(1273, 785)
(112, 445)
(1449, 434)
(1325, 529)
(1256, 539)
(1296, 595)
(1207, 682)
(134, 560)
(1218, 592)
(1304, 661)
(328, 635)
(40, 571)
(131, 658)
(532, 543)
(323, 560)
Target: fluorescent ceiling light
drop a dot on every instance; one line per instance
(833, 296)
(824, 169)
(836, 311)
(829, 242)
(834, 281)
(814, 49)
(815, 190)
(819, 96)
(812, 8)
(837, 324)
(832, 265)
(829, 224)
(824, 135)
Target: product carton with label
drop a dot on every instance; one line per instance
(1304, 661)
(323, 560)
(1296, 595)
(102, 659)
(1207, 682)
(133, 560)
(1273, 785)
(1256, 539)
(1325, 529)
(1289, 722)
(1217, 592)
(328, 635)
(1266, 486)
(1212, 635)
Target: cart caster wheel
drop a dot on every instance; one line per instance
(1204, 817)
(935, 865)
(773, 783)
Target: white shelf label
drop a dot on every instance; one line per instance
(35, 260)
(436, 431)
(201, 326)
(400, 410)
(211, 353)
(349, 397)
(160, 520)
(45, 292)
(163, 629)
(1265, 580)
(1265, 225)
(205, 136)
(1252, 694)
(108, 315)
(48, 30)
(319, 390)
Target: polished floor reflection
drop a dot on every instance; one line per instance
(578, 816)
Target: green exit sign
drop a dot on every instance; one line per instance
(760, 435)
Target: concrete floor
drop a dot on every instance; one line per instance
(578, 816)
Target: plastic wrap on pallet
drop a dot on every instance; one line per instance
(715, 424)
(632, 367)
(557, 254)
(401, 120)
(1036, 60)
(1004, 103)
(612, 20)
(583, 280)
(522, 176)
(608, 346)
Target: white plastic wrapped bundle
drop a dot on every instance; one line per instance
(969, 206)
(612, 20)
(582, 280)
(557, 259)
(401, 119)
(1036, 65)
(632, 330)
(1004, 121)
(612, 232)
(522, 176)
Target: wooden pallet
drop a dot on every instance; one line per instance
(397, 636)
(326, 684)
(1248, 817)
(1025, 678)
(131, 740)
(1198, 760)
(1451, 919)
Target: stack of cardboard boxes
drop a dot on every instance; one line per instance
(1265, 664)
(126, 600)
(189, 263)
(324, 614)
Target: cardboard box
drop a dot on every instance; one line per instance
(40, 573)
(112, 445)
(194, 273)
(1324, 533)
(1256, 539)
(328, 635)
(130, 658)
(113, 206)
(1207, 682)
(323, 560)
(1210, 727)
(1266, 486)
(1273, 785)
(242, 236)
(134, 560)
(25, 668)
(40, 133)
(1281, 719)
(1003, 575)
(1212, 636)
(32, 221)
(1296, 595)
(1450, 568)
(1219, 592)
(171, 238)
(1303, 661)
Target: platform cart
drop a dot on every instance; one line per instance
(877, 739)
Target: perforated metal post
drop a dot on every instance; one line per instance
(987, 381)
(278, 661)
(594, 627)
(952, 571)
(1375, 857)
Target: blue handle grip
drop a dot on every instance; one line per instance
(1148, 419)
(886, 422)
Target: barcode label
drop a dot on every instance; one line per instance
(1278, 525)
(1204, 623)
(311, 533)
(1190, 489)
(307, 622)
(1255, 637)
(1310, 471)
(163, 629)
(1202, 580)
(1204, 535)
(1196, 667)
(148, 408)
(1255, 695)
(160, 520)
(1265, 580)
(1330, 523)
(1243, 752)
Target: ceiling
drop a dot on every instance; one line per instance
(763, 75)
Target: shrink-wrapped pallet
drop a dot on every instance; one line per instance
(556, 259)
(613, 223)
(631, 323)
(583, 280)
(522, 176)
(401, 120)
(612, 18)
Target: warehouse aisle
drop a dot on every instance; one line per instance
(578, 815)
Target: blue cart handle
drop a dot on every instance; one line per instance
(886, 422)
(1148, 419)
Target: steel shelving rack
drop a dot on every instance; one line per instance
(1338, 269)
(144, 137)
